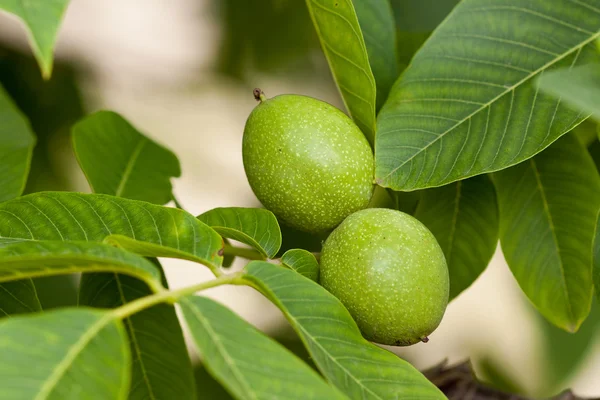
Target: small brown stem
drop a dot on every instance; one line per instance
(259, 95)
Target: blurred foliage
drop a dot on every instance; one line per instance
(274, 35)
(594, 150)
(264, 35)
(207, 387)
(497, 377)
(587, 132)
(52, 107)
(415, 20)
(564, 352)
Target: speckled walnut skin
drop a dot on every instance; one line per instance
(307, 162)
(389, 271)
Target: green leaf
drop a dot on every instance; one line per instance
(357, 367)
(42, 19)
(382, 198)
(120, 161)
(244, 360)
(148, 229)
(379, 31)
(18, 297)
(468, 103)
(498, 376)
(548, 213)
(586, 132)
(421, 15)
(407, 202)
(31, 259)
(255, 227)
(207, 387)
(596, 257)
(63, 354)
(284, 40)
(161, 367)
(228, 259)
(578, 87)
(16, 147)
(463, 216)
(343, 44)
(303, 262)
(47, 258)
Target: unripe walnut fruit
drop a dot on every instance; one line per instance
(307, 162)
(389, 271)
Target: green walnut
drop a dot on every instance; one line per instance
(389, 271)
(306, 161)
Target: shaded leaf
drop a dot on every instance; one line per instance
(468, 103)
(228, 259)
(382, 198)
(498, 376)
(463, 216)
(283, 40)
(407, 202)
(42, 19)
(594, 151)
(16, 147)
(160, 365)
(207, 387)
(421, 15)
(51, 106)
(148, 229)
(57, 291)
(43, 258)
(596, 257)
(244, 360)
(578, 87)
(63, 354)
(357, 367)
(293, 238)
(586, 132)
(118, 160)
(18, 297)
(343, 44)
(548, 211)
(379, 31)
(303, 262)
(255, 227)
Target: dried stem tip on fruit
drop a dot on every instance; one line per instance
(259, 95)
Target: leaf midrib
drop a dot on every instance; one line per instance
(371, 127)
(254, 283)
(71, 355)
(224, 353)
(102, 265)
(129, 167)
(494, 99)
(540, 186)
(134, 340)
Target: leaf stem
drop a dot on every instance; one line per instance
(259, 95)
(171, 296)
(177, 203)
(249, 254)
